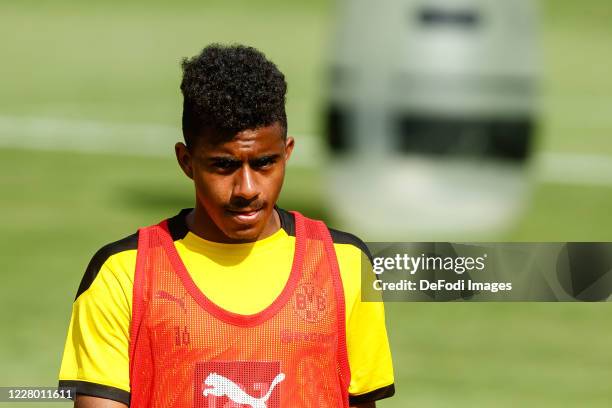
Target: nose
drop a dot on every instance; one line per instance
(244, 184)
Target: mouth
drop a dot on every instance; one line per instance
(247, 216)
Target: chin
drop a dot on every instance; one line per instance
(249, 234)
(245, 232)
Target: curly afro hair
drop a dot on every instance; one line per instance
(227, 89)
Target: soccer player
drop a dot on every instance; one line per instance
(236, 302)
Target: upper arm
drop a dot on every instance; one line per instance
(96, 354)
(85, 401)
(367, 343)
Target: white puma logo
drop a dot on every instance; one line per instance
(225, 387)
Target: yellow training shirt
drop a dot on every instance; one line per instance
(241, 278)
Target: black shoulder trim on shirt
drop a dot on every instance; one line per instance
(339, 237)
(287, 221)
(381, 393)
(178, 224)
(95, 390)
(178, 230)
(127, 243)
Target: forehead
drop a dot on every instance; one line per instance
(259, 140)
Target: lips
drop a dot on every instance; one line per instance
(246, 216)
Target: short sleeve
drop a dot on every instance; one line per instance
(368, 348)
(96, 354)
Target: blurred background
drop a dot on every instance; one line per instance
(90, 109)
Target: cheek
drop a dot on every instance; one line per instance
(212, 189)
(274, 184)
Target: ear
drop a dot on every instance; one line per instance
(183, 156)
(289, 144)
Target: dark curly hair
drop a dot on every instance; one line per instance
(227, 89)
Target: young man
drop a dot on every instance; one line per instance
(235, 303)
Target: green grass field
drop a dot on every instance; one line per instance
(119, 63)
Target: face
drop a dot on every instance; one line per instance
(237, 183)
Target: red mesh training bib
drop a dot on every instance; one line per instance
(186, 351)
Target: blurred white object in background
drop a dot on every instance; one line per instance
(430, 119)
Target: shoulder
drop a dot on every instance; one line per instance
(343, 241)
(101, 259)
(119, 257)
(346, 238)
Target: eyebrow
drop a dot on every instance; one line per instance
(264, 158)
(228, 159)
(232, 160)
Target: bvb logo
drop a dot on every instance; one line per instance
(310, 302)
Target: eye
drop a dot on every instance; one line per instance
(225, 164)
(263, 162)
